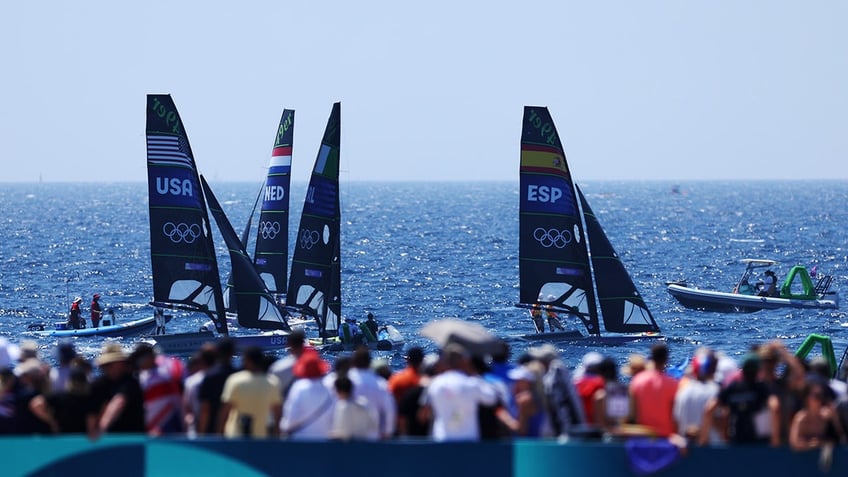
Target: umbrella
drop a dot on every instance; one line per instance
(472, 336)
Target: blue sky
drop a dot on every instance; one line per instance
(676, 90)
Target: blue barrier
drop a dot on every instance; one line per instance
(138, 456)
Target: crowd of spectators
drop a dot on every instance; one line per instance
(770, 398)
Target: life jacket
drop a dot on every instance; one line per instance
(536, 311)
(549, 311)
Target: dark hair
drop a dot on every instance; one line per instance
(343, 384)
(296, 339)
(361, 357)
(659, 354)
(415, 356)
(226, 347)
(254, 355)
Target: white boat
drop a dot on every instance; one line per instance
(567, 265)
(797, 291)
(109, 326)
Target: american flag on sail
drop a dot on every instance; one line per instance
(167, 150)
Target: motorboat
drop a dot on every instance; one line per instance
(797, 291)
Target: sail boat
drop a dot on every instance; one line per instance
(185, 268)
(567, 264)
(270, 256)
(315, 281)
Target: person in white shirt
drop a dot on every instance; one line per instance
(453, 396)
(308, 409)
(351, 417)
(375, 390)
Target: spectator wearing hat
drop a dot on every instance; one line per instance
(251, 399)
(75, 319)
(96, 310)
(117, 401)
(691, 400)
(367, 384)
(308, 410)
(588, 381)
(32, 382)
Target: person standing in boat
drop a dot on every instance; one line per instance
(75, 319)
(553, 319)
(769, 284)
(96, 311)
(371, 323)
(536, 316)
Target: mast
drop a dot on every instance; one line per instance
(554, 263)
(314, 282)
(184, 265)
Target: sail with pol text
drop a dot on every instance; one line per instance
(315, 279)
(185, 270)
(566, 262)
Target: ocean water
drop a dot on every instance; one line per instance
(413, 252)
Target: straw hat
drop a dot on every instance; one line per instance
(111, 353)
(635, 363)
(29, 366)
(545, 352)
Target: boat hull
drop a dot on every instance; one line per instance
(708, 300)
(130, 328)
(574, 336)
(185, 344)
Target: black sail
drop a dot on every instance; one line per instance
(185, 270)
(554, 266)
(315, 280)
(622, 307)
(272, 238)
(256, 306)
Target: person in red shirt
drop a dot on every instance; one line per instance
(409, 377)
(75, 319)
(96, 311)
(652, 395)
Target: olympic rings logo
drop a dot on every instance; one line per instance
(552, 237)
(308, 238)
(181, 232)
(269, 230)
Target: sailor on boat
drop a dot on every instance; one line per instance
(553, 319)
(75, 319)
(96, 310)
(536, 315)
